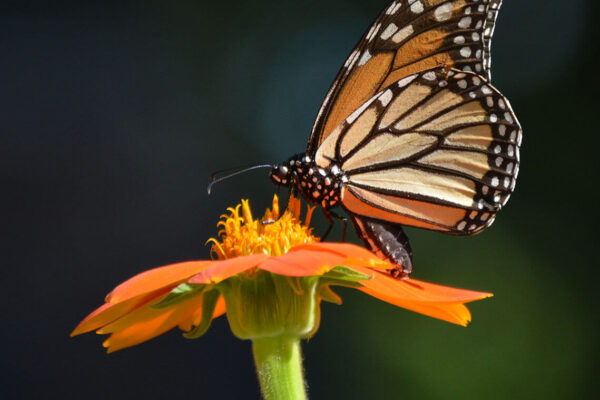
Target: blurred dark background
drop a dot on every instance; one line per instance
(112, 117)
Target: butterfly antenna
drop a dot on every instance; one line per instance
(214, 179)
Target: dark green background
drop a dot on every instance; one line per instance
(112, 116)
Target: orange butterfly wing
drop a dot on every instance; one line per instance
(437, 150)
(408, 37)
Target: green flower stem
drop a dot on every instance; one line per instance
(279, 365)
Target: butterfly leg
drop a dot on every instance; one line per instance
(328, 231)
(330, 216)
(387, 240)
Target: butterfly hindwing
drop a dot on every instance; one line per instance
(437, 150)
(408, 37)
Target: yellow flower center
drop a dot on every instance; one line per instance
(242, 235)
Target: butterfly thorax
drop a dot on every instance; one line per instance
(316, 184)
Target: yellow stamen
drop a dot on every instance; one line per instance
(243, 235)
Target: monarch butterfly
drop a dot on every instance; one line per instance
(411, 132)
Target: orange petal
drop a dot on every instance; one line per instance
(456, 313)
(155, 279)
(302, 262)
(355, 255)
(414, 290)
(146, 323)
(195, 318)
(109, 312)
(221, 270)
(436, 301)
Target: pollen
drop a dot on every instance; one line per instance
(241, 234)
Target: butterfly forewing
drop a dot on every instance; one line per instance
(437, 150)
(408, 37)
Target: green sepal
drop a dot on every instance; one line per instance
(267, 305)
(328, 295)
(295, 283)
(209, 303)
(343, 273)
(183, 292)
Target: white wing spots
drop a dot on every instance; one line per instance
(373, 32)
(506, 182)
(502, 104)
(461, 226)
(430, 76)
(386, 97)
(478, 25)
(467, 68)
(509, 167)
(465, 22)
(493, 118)
(495, 181)
(352, 59)
(443, 12)
(365, 58)
(511, 151)
(508, 117)
(405, 81)
(359, 110)
(467, 10)
(459, 39)
(481, 8)
(476, 81)
(480, 204)
(475, 36)
(498, 161)
(478, 67)
(443, 83)
(486, 90)
(502, 130)
(370, 34)
(403, 34)
(389, 31)
(393, 8)
(497, 149)
(513, 135)
(478, 54)
(465, 52)
(462, 84)
(485, 189)
(472, 95)
(417, 7)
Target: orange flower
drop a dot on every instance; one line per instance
(249, 254)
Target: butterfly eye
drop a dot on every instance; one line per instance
(280, 174)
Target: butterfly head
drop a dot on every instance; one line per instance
(283, 175)
(288, 172)
(280, 175)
